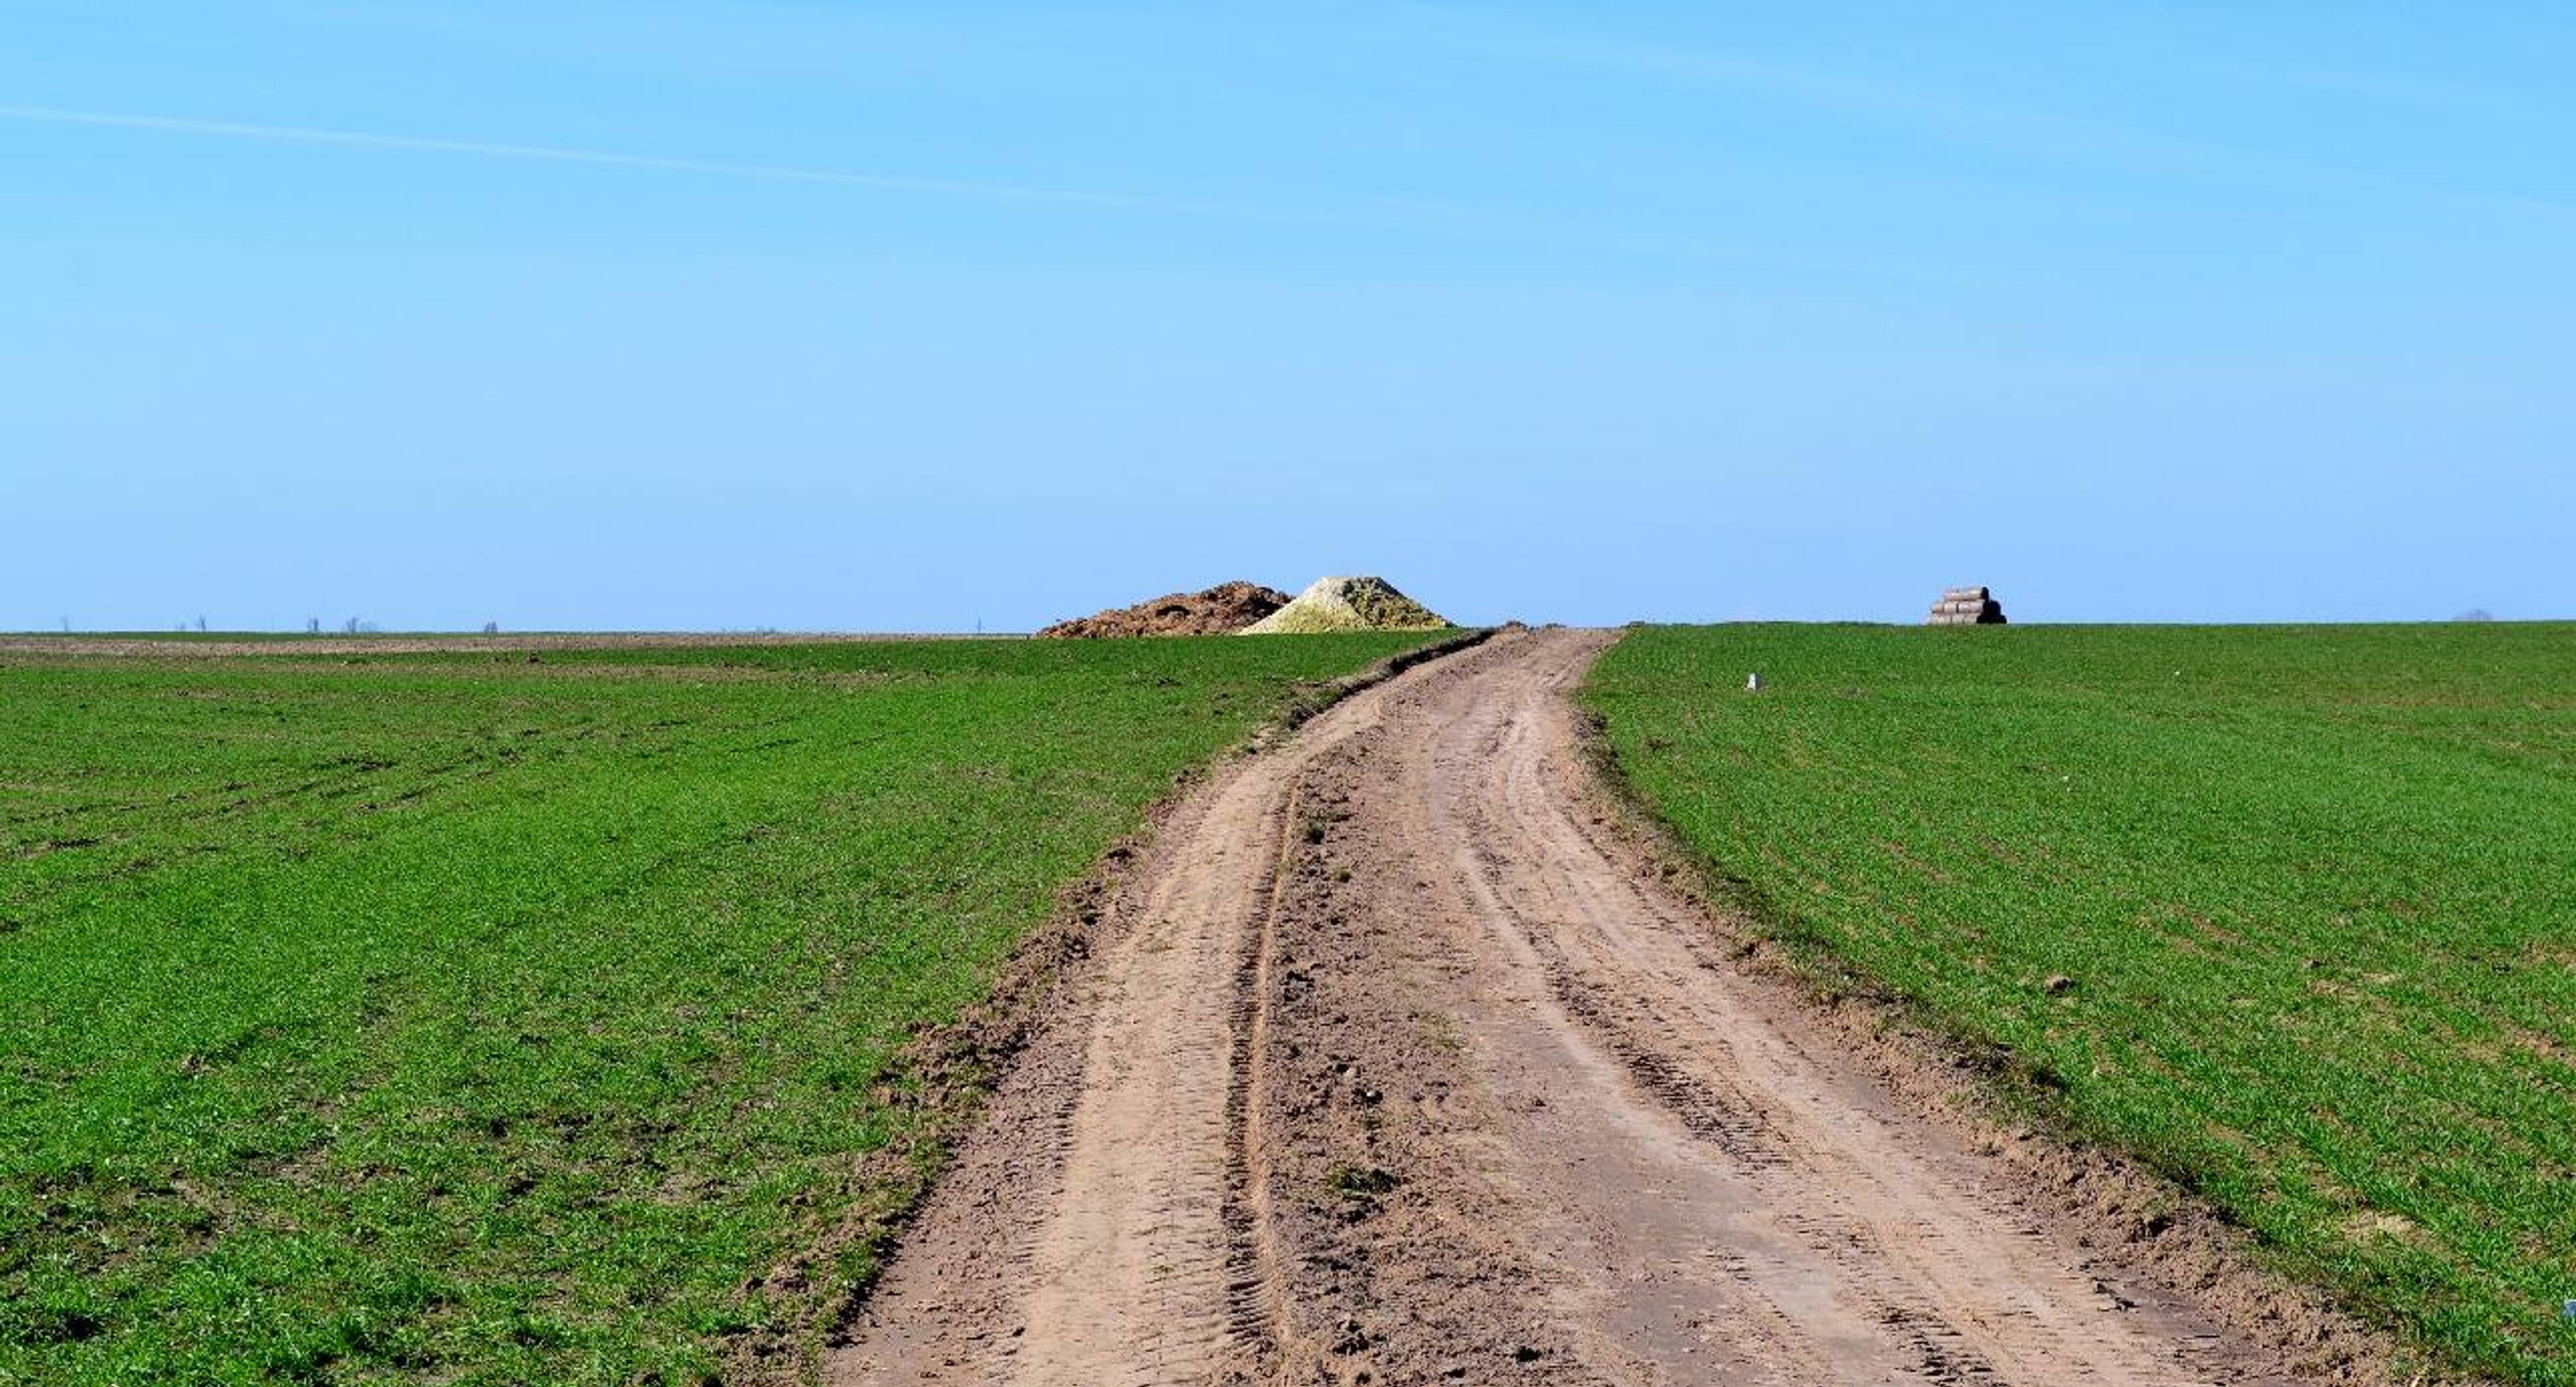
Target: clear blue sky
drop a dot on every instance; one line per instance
(830, 315)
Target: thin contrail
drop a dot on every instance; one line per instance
(780, 173)
(1411, 218)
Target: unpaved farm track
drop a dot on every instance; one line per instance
(1399, 1072)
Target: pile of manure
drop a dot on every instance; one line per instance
(1217, 611)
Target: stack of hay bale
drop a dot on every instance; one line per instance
(1967, 607)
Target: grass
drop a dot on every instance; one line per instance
(2285, 911)
(486, 1020)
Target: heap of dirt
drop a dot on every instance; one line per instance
(1225, 608)
(1348, 604)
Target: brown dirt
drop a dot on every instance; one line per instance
(945, 1075)
(1217, 611)
(1402, 1067)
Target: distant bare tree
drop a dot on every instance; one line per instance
(2475, 614)
(201, 626)
(351, 627)
(313, 626)
(491, 628)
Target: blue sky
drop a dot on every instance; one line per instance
(819, 315)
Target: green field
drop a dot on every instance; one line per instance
(2308, 895)
(486, 1020)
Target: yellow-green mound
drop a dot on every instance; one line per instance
(1348, 604)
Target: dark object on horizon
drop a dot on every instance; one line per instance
(1967, 607)
(2475, 614)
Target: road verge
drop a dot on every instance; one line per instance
(939, 1083)
(2140, 1220)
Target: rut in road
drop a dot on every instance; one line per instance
(1397, 1072)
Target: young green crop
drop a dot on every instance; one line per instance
(2306, 894)
(476, 1019)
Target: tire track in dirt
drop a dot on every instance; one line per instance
(1107, 1226)
(1399, 1073)
(1864, 1247)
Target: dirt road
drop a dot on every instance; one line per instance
(1400, 1071)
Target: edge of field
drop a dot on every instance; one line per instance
(945, 1073)
(250, 644)
(2141, 1221)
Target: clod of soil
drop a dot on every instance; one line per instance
(1348, 604)
(1225, 608)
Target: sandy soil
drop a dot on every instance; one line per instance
(1400, 1069)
